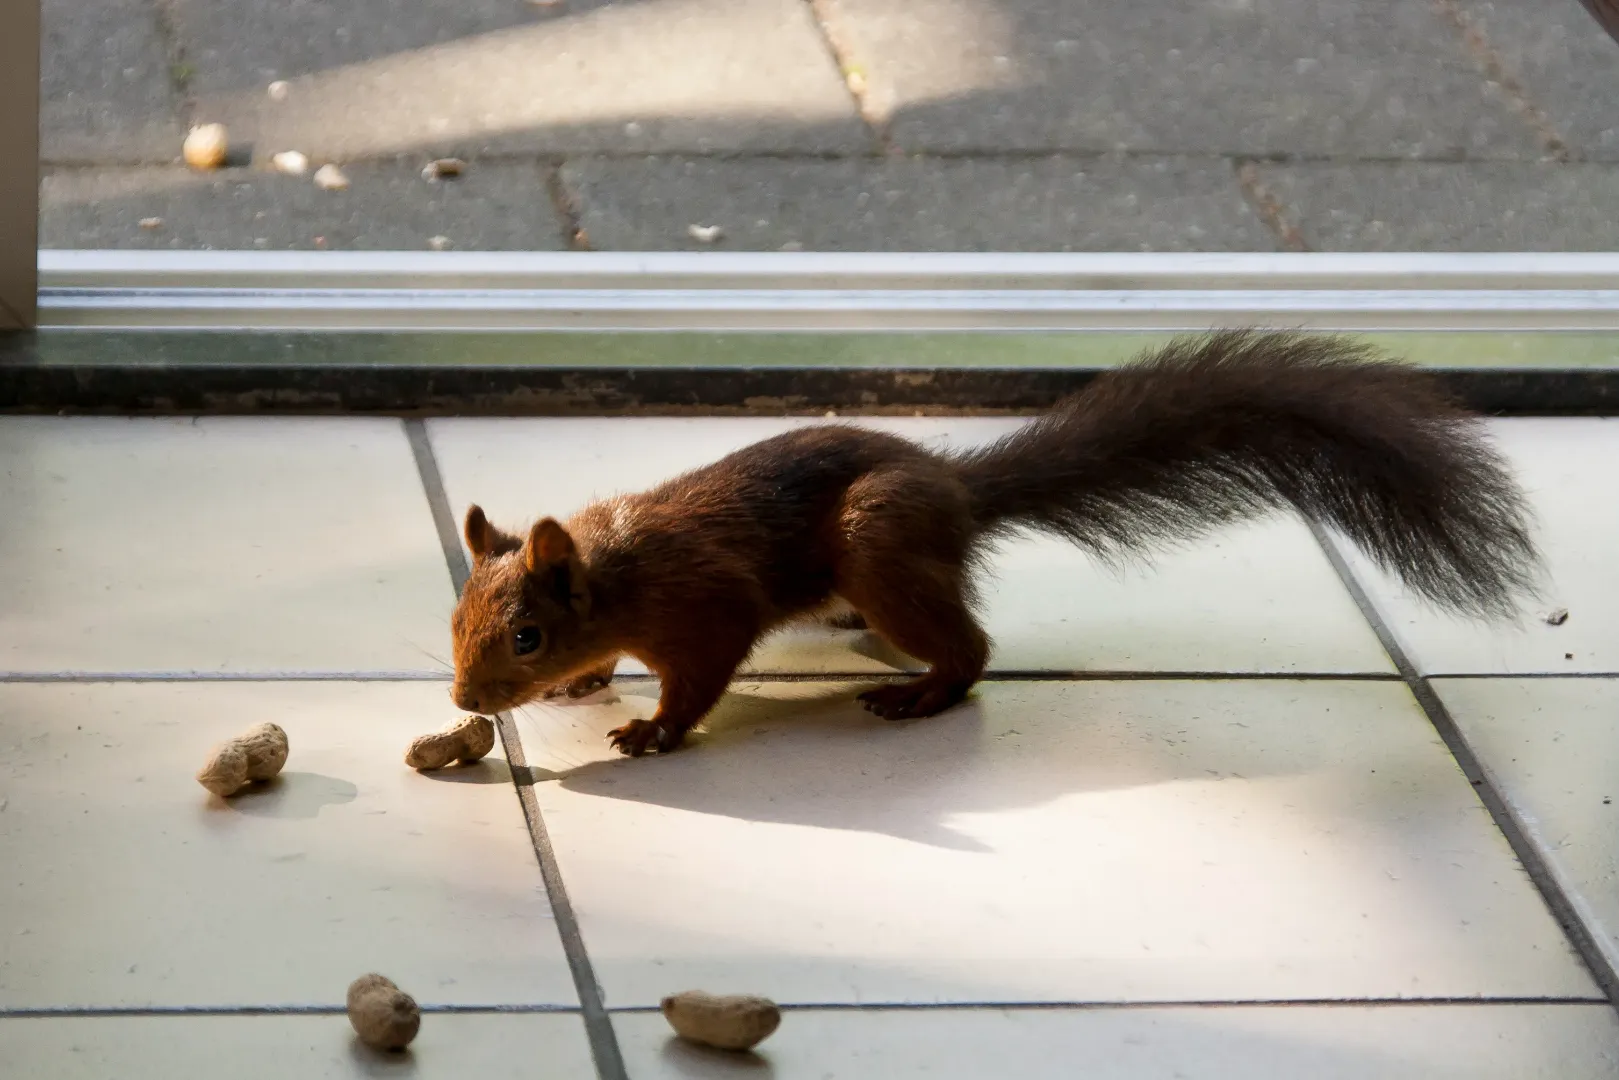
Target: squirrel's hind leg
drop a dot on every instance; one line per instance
(905, 569)
(937, 628)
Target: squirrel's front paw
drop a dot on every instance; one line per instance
(638, 736)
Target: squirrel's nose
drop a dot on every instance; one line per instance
(464, 698)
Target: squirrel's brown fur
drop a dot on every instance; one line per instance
(688, 576)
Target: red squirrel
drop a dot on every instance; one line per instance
(1205, 431)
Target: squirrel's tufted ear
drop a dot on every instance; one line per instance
(481, 536)
(548, 545)
(551, 557)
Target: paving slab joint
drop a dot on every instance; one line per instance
(566, 205)
(166, 14)
(843, 54)
(1278, 217)
(1495, 69)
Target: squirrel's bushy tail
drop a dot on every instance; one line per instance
(1210, 430)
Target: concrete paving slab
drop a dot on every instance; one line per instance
(1229, 76)
(388, 207)
(370, 78)
(1477, 207)
(105, 94)
(1566, 64)
(1041, 204)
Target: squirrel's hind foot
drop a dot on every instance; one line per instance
(920, 697)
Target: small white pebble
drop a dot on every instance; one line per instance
(438, 243)
(1556, 617)
(278, 90)
(792, 245)
(632, 129)
(151, 223)
(330, 178)
(705, 234)
(290, 162)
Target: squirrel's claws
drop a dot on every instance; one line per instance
(638, 736)
(906, 701)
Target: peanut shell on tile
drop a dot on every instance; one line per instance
(467, 740)
(382, 1015)
(256, 755)
(723, 1021)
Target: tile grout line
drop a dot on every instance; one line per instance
(49, 1012)
(598, 1024)
(113, 1011)
(1010, 675)
(604, 1048)
(218, 676)
(1015, 675)
(438, 503)
(1483, 676)
(1149, 1004)
(1535, 864)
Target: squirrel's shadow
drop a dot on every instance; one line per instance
(733, 768)
(805, 753)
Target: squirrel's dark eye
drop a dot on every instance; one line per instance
(526, 640)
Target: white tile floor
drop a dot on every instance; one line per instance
(216, 545)
(1102, 866)
(1568, 467)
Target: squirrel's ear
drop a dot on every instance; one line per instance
(548, 545)
(481, 536)
(550, 555)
